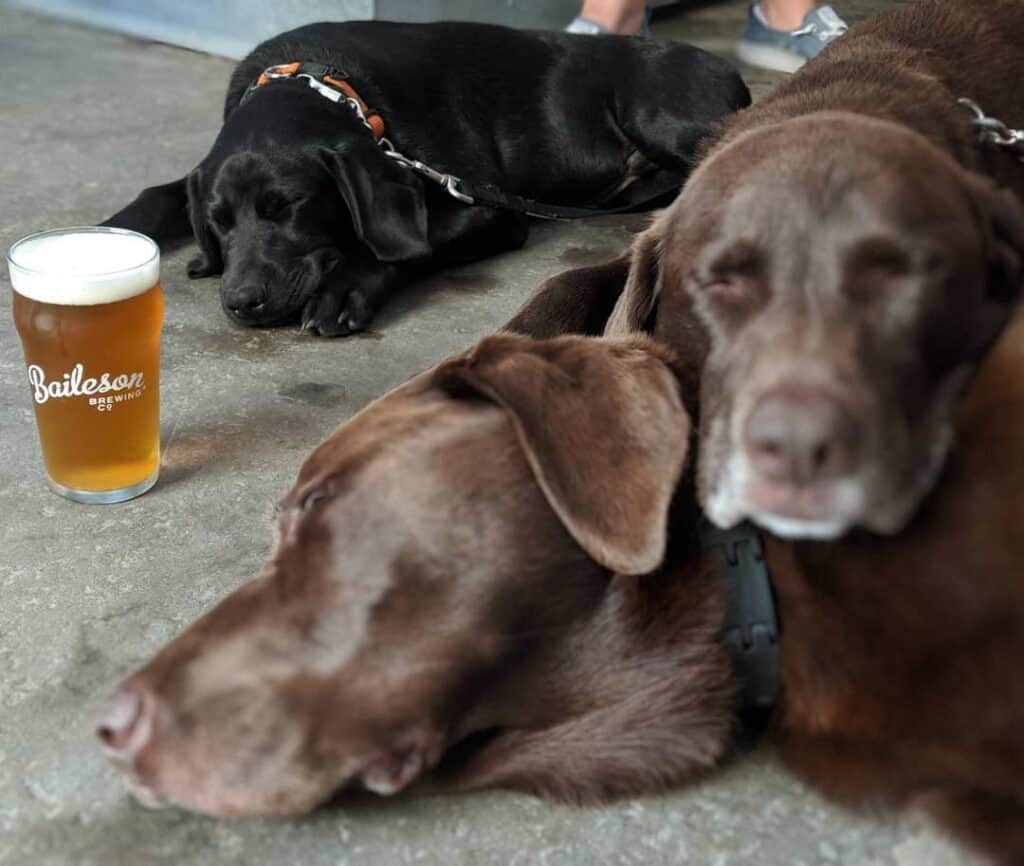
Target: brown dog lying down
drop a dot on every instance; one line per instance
(836, 267)
(450, 602)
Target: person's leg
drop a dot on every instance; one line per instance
(625, 17)
(786, 14)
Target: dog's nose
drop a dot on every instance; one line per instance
(245, 302)
(798, 436)
(127, 725)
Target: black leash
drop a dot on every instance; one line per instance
(750, 630)
(334, 86)
(491, 196)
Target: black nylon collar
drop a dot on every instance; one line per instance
(750, 629)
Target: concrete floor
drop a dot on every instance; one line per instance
(86, 593)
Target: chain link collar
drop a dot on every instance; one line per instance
(331, 84)
(991, 130)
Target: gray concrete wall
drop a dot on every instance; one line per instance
(230, 28)
(515, 13)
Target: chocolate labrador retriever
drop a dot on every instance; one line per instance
(835, 267)
(467, 544)
(300, 208)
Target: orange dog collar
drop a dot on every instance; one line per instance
(328, 83)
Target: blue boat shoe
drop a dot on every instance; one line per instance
(787, 50)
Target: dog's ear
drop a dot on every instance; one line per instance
(603, 426)
(208, 261)
(386, 201)
(1004, 215)
(161, 212)
(635, 310)
(577, 301)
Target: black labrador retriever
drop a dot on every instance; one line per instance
(306, 216)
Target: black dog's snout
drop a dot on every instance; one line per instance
(246, 302)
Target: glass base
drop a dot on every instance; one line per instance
(105, 497)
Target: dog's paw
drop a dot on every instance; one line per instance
(333, 315)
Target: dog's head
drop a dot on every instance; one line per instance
(287, 199)
(837, 279)
(432, 550)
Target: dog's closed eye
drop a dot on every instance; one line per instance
(878, 268)
(731, 282)
(313, 498)
(272, 206)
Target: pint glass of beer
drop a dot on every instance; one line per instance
(88, 308)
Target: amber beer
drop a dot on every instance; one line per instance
(88, 308)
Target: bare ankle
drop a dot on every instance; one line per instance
(785, 14)
(617, 16)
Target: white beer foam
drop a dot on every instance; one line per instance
(84, 266)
